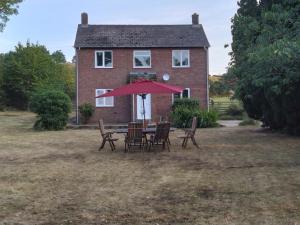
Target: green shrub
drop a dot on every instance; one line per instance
(187, 103)
(234, 110)
(182, 117)
(86, 111)
(52, 108)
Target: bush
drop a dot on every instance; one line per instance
(234, 110)
(182, 117)
(187, 103)
(86, 111)
(52, 108)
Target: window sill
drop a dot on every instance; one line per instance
(105, 106)
(102, 67)
(142, 67)
(182, 67)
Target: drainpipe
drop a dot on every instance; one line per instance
(207, 75)
(133, 108)
(77, 116)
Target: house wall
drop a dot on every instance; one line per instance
(91, 78)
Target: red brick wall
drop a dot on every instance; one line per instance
(91, 78)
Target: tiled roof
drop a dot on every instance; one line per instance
(140, 36)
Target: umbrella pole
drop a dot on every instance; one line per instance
(144, 112)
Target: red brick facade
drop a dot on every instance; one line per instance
(91, 78)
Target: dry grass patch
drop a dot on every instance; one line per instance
(239, 176)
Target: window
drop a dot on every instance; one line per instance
(142, 59)
(104, 102)
(103, 59)
(186, 93)
(181, 58)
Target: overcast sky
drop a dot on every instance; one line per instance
(53, 23)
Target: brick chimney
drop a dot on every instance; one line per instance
(84, 19)
(195, 19)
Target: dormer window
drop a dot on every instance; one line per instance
(103, 59)
(180, 58)
(142, 59)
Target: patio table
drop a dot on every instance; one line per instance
(150, 130)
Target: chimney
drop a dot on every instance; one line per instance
(195, 19)
(84, 19)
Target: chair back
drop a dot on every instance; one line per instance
(162, 131)
(101, 127)
(135, 131)
(194, 125)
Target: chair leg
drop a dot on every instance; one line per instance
(125, 150)
(102, 145)
(111, 145)
(169, 142)
(194, 142)
(184, 142)
(168, 146)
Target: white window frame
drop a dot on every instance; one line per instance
(104, 99)
(189, 94)
(134, 52)
(103, 60)
(181, 51)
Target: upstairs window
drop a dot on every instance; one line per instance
(186, 93)
(181, 58)
(104, 102)
(103, 59)
(142, 59)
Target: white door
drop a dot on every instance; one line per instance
(139, 107)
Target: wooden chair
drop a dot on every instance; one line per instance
(190, 134)
(135, 136)
(106, 137)
(161, 136)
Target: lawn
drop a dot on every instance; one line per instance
(242, 175)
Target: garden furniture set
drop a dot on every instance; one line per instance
(139, 135)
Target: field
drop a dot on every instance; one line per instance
(241, 175)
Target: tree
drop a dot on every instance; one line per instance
(2, 95)
(265, 63)
(31, 68)
(247, 8)
(7, 8)
(59, 57)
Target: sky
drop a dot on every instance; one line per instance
(53, 23)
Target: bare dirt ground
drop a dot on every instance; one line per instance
(241, 175)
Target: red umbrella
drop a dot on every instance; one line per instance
(143, 87)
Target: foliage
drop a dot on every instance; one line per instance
(7, 8)
(182, 117)
(234, 110)
(52, 108)
(186, 103)
(59, 57)
(31, 68)
(265, 62)
(219, 86)
(2, 95)
(183, 111)
(86, 111)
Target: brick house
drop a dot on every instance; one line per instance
(109, 56)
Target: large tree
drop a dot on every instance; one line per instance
(265, 61)
(32, 68)
(7, 8)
